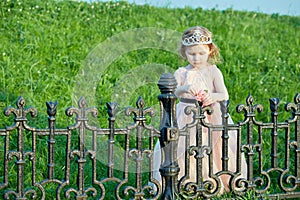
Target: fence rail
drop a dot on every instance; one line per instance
(84, 161)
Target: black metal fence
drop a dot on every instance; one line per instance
(82, 161)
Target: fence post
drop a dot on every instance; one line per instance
(225, 157)
(169, 136)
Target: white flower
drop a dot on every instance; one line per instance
(4, 54)
(282, 78)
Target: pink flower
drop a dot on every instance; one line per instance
(201, 95)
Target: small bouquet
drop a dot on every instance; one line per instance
(201, 95)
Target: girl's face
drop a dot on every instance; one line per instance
(197, 55)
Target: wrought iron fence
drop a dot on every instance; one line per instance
(79, 162)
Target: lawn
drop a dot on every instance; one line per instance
(45, 46)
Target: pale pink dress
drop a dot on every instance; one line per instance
(211, 79)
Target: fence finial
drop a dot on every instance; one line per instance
(167, 83)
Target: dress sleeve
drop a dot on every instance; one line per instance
(178, 74)
(220, 91)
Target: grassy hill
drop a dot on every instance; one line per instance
(45, 45)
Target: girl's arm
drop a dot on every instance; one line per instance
(220, 92)
(181, 89)
(186, 89)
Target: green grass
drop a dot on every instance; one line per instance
(46, 46)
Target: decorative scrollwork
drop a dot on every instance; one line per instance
(81, 114)
(295, 107)
(20, 156)
(77, 153)
(74, 153)
(238, 184)
(286, 178)
(12, 154)
(139, 154)
(199, 151)
(250, 148)
(259, 182)
(30, 192)
(212, 187)
(249, 109)
(79, 193)
(20, 114)
(208, 189)
(140, 113)
(198, 114)
(294, 144)
(190, 190)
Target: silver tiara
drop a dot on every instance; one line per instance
(196, 38)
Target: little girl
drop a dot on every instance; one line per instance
(202, 80)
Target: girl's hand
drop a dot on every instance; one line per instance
(191, 89)
(208, 99)
(201, 95)
(204, 97)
